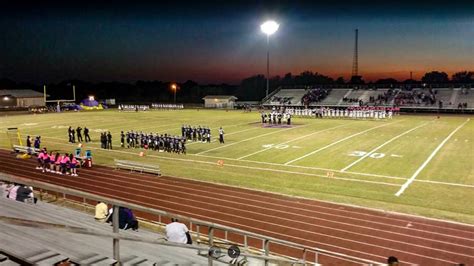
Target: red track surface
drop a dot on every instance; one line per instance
(359, 232)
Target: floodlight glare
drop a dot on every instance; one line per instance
(269, 27)
(91, 98)
(6, 98)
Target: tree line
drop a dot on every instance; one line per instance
(249, 89)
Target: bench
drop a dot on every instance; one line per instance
(138, 167)
(24, 149)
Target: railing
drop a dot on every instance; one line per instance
(270, 95)
(240, 237)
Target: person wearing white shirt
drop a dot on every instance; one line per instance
(177, 232)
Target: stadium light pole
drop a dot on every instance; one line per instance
(174, 87)
(269, 27)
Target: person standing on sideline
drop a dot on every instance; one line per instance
(79, 134)
(86, 134)
(109, 140)
(101, 212)
(122, 139)
(221, 135)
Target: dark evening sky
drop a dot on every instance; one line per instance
(221, 41)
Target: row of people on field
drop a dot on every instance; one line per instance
(342, 113)
(194, 133)
(162, 142)
(57, 163)
(133, 107)
(17, 192)
(72, 132)
(166, 106)
(106, 140)
(276, 117)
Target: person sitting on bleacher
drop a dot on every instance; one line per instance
(23, 193)
(101, 212)
(64, 163)
(13, 191)
(178, 232)
(126, 219)
(73, 164)
(41, 157)
(57, 163)
(131, 220)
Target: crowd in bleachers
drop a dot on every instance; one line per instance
(382, 98)
(314, 95)
(418, 97)
(17, 192)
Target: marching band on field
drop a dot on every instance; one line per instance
(352, 113)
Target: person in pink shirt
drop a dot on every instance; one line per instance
(41, 157)
(53, 160)
(65, 163)
(57, 163)
(73, 163)
(45, 161)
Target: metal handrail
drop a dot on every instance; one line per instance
(212, 226)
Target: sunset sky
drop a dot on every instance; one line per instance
(221, 42)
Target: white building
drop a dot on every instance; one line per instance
(219, 101)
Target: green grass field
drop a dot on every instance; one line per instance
(364, 163)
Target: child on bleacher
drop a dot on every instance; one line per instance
(52, 161)
(64, 164)
(73, 163)
(57, 163)
(41, 157)
(45, 161)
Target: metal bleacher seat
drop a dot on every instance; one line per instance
(49, 246)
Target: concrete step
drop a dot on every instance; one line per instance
(42, 256)
(53, 260)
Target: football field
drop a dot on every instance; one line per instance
(419, 165)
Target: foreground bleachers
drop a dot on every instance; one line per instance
(49, 246)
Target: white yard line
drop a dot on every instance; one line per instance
(258, 136)
(444, 183)
(286, 142)
(417, 172)
(336, 142)
(379, 147)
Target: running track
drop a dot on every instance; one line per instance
(359, 232)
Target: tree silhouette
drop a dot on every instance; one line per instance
(435, 77)
(463, 77)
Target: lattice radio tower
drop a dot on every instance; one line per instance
(355, 63)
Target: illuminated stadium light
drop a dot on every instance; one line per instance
(6, 98)
(269, 27)
(91, 98)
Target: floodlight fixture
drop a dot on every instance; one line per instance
(269, 27)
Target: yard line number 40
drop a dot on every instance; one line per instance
(374, 155)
